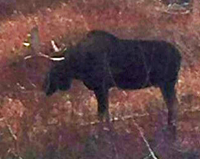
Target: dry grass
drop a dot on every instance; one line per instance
(33, 126)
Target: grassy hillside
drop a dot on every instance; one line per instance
(34, 126)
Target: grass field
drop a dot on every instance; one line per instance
(64, 126)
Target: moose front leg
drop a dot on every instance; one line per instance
(102, 100)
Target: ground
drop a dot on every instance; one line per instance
(34, 126)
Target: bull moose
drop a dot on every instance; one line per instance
(101, 61)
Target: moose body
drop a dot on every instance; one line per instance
(101, 61)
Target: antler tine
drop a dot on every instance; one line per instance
(34, 43)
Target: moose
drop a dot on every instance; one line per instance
(101, 61)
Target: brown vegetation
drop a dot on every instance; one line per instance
(64, 125)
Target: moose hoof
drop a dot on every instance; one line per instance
(172, 132)
(104, 117)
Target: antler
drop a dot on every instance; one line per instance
(34, 44)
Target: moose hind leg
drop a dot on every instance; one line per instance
(102, 100)
(169, 95)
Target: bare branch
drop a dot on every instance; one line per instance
(127, 117)
(145, 140)
(11, 132)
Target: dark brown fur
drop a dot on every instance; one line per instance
(102, 61)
